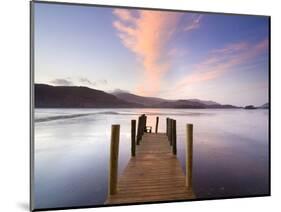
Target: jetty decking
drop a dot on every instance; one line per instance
(153, 173)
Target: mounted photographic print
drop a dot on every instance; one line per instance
(138, 105)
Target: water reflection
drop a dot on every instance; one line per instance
(71, 155)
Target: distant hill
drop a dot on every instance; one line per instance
(264, 106)
(165, 103)
(47, 96)
(250, 107)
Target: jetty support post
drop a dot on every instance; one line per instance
(156, 127)
(174, 136)
(133, 138)
(167, 120)
(170, 131)
(139, 130)
(168, 123)
(144, 124)
(113, 161)
(141, 125)
(189, 155)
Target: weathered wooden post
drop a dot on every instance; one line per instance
(141, 127)
(141, 120)
(139, 130)
(167, 120)
(113, 162)
(144, 124)
(133, 138)
(189, 150)
(174, 136)
(156, 127)
(170, 131)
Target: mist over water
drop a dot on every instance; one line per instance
(230, 155)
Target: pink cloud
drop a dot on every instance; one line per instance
(147, 33)
(221, 61)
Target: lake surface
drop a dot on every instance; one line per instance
(230, 155)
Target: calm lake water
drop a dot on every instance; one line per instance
(230, 156)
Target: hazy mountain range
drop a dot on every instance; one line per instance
(47, 96)
(265, 106)
(166, 103)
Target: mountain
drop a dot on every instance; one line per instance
(159, 102)
(146, 101)
(264, 106)
(47, 96)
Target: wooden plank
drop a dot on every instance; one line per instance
(154, 174)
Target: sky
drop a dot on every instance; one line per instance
(167, 54)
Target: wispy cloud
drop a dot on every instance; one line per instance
(61, 82)
(147, 33)
(87, 81)
(193, 23)
(124, 15)
(221, 61)
(78, 81)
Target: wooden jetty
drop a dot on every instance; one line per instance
(154, 173)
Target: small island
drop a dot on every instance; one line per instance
(250, 107)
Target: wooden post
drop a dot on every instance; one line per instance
(189, 150)
(168, 126)
(167, 120)
(174, 136)
(144, 124)
(156, 127)
(141, 118)
(170, 131)
(113, 162)
(139, 130)
(133, 138)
